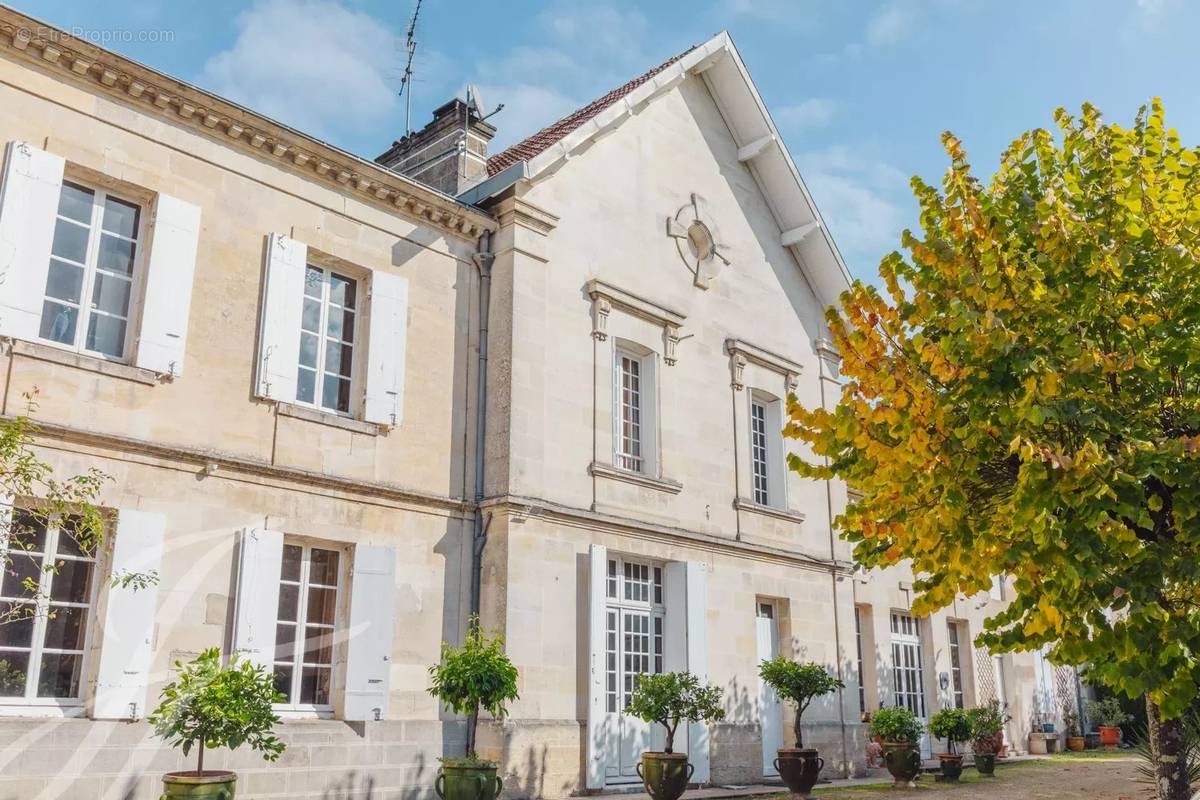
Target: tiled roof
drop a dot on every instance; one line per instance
(531, 146)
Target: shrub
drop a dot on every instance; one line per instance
(986, 722)
(951, 724)
(208, 706)
(477, 675)
(1107, 712)
(672, 698)
(799, 684)
(896, 725)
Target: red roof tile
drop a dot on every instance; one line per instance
(532, 146)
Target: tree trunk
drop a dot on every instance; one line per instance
(669, 747)
(472, 725)
(1167, 750)
(797, 728)
(200, 760)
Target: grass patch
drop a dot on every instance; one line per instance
(1095, 755)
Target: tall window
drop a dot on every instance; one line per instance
(93, 262)
(45, 603)
(308, 600)
(630, 398)
(634, 620)
(758, 452)
(327, 340)
(908, 671)
(956, 677)
(862, 675)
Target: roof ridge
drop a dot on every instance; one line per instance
(542, 140)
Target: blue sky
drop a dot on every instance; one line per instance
(861, 89)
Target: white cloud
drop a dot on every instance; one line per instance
(815, 112)
(892, 23)
(527, 109)
(794, 13)
(313, 64)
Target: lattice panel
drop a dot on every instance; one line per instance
(985, 676)
(1064, 683)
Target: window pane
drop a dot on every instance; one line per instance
(20, 571)
(59, 675)
(58, 323)
(27, 533)
(16, 625)
(65, 281)
(116, 254)
(283, 681)
(321, 604)
(75, 202)
(338, 321)
(310, 319)
(13, 667)
(314, 282)
(285, 643)
(111, 294)
(338, 358)
(324, 567)
(335, 393)
(318, 646)
(292, 555)
(289, 601)
(73, 539)
(342, 290)
(66, 627)
(306, 385)
(314, 685)
(70, 241)
(71, 582)
(308, 349)
(120, 217)
(106, 335)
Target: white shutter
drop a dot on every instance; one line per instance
(675, 654)
(697, 662)
(168, 296)
(283, 303)
(384, 402)
(598, 738)
(28, 205)
(256, 604)
(127, 646)
(372, 619)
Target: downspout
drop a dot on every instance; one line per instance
(483, 263)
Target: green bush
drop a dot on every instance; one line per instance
(208, 706)
(986, 721)
(951, 724)
(799, 684)
(477, 675)
(1107, 712)
(672, 698)
(896, 725)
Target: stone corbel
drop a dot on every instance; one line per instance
(601, 308)
(793, 381)
(670, 340)
(737, 364)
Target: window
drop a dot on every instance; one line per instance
(93, 263)
(45, 600)
(327, 340)
(634, 622)
(629, 412)
(956, 677)
(304, 633)
(908, 672)
(758, 452)
(862, 675)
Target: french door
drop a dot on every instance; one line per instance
(908, 670)
(769, 710)
(634, 622)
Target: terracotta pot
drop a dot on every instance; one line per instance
(903, 760)
(665, 775)
(985, 763)
(951, 766)
(476, 780)
(1076, 743)
(211, 785)
(799, 769)
(1110, 737)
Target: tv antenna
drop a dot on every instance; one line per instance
(406, 81)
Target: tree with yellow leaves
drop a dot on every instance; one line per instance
(1025, 400)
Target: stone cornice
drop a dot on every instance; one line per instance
(159, 95)
(741, 351)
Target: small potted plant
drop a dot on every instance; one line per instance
(1108, 716)
(209, 706)
(477, 675)
(987, 735)
(669, 699)
(899, 730)
(953, 725)
(799, 684)
(1075, 740)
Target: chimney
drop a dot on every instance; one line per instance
(448, 154)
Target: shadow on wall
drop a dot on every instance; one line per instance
(530, 782)
(354, 786)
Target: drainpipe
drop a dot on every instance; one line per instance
(483, 263)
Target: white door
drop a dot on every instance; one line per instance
(908, 671)
(633, 643)
(769, 710)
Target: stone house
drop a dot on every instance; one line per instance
(342, 408)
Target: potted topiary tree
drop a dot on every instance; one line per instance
(987, 735)
(899, 730)
(669, 699)
(953, 725)
(1108, 716)
(799, 684)
(208, 706)
(477, 675)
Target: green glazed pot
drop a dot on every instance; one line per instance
(665, 775)
(951, 766)
(985, 763)
(903, 761)
(799, 769)
(468, 781)
(212, 785)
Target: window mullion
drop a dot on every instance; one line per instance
(301, 620)
(41, 610)
(91, 259)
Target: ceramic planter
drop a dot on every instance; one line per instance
(985, 763)
(211, 785)
(1110, 737)
(903, 761)
(951, 766)
(1076, 743)
(665, 775)
(799, 769)
(471, 780)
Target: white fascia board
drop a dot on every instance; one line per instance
(756, 148)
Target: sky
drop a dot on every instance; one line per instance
(860, 89)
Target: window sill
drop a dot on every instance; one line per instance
(327, 418)
(636, 478)
(43, 710)
(45, 352)
(743, 504)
